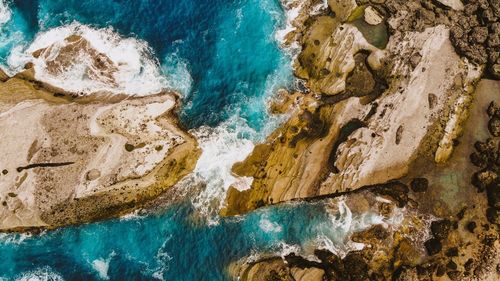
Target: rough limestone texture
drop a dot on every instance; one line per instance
(101, 69)
(73, 162)
(369, 114)
(277, 269)
(382, 150)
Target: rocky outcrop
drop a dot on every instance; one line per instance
(61, 59)
(74, 161)
(278, 269)
(486, 154)
(400, 120)
(370, 113)
(474, 25)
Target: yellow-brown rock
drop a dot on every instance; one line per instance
(73, 162)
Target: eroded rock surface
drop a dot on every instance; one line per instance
(402, 119)
(73, 162)
(370, 113)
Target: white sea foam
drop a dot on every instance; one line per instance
(176, 71)
(135, 215)
(269, 226)
(137, 71)
(5, 12)
(287, 249)
(163, 259)
(40, 274)
(222, 147)
(292, 11)
(102, 266)
(13, 238)
(334, 235)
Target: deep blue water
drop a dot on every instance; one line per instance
(234, 63)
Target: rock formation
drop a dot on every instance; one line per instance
(68, 159)
(350, 131)
(390, 106)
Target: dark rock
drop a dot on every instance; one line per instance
(493, 109)
(483, 178)
(454, 275)
(452, 252)
(360, 81)
(4, 172)
(495, 70)
(441, 270)
(432, 99)
(478, 160)
(394, 189)
(399, 134)
(494, 126)
(355, 267)
(433, 246)
(471, 226)
(493, 193)
(484, 147)
(451, 265)
(373, 234)
(419, 184)
(493, 215)
(129, 147)
(461, 214)
(326, 257)
(425, 268)
(468, 264)
(415, 59)
(352, 268)
(441, 229)
(479, 34)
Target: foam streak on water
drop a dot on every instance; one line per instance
(40, 274)
(5, 13)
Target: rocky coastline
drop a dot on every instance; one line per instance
(396, 112)
(69, 158)
(400, 99)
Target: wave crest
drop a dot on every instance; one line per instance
(5, 12)
(222, 147)
(40, 274)
(85, 60)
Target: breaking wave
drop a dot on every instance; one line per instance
(91, 60)
(5, 13)
(40, 274)
(221, 148)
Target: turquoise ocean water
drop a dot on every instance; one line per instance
(223, 57)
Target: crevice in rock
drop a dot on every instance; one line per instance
(344, 133)
(43, 165)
